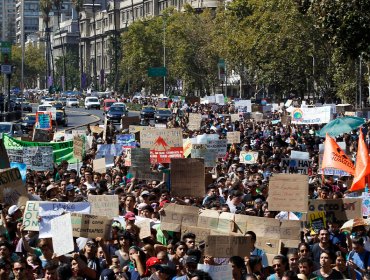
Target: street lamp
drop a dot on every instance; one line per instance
(93, 5)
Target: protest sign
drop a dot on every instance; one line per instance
(4, 159)
(217, 272)
(99, 165)
(248, 157)
(42, 135)
(62, 243)
(109, 150)
(201, 151)
(176, 215)
(337, 209)
(140, 157)
(226, 222)
(299, 155)
(288, 192)
(38, 158)
(22, 169)
(234, 117)
(233, 137)
(365, 204)
(220, 246)
(43, 120)
(30, 216)
(127, 121)
(296, 165)
(50, 210)
(205, 138)
(144, 226)
(208, 219)
(164, 144)
(243, 105)
(316, 115)
(187, 177)
(12, 190)
(219, 99)
(160, 125)
(91, 226)
(195, 120)
(127, 156)
(285, 120)
(220, 145)
(61, 150)
(201, 233)
(264, 227)
(269, 245)
(104, 205)
(316, 221)
(126, 140)
(138, 128)
(187, 146)
(79, 147)
(148, 175)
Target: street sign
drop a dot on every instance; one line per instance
(157, 72)
(6, 52)
(6, 69)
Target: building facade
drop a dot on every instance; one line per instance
(7, 20)
(30, 16)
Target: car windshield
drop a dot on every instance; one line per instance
(164, 112)
(73, 99)
(93, 100)
(108, 104)
(148, 109)
(116, 109)
(5, 128)
(59, 114)
(30, 118)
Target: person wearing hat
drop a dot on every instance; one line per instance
(144, 197)
(51, 192)
(15, 212)
(191, 264)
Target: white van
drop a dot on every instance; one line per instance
(92, 102)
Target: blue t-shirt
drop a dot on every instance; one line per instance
(359, 259)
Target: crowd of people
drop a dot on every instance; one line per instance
(237, 188)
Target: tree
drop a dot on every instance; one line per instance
(78, 5)
(58, 5)
(45, 7)
(71, 61)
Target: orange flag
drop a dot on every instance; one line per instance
(362, 166)
(334, 157)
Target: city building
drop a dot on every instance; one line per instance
(30, 16)
(7, 20)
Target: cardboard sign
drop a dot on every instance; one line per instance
(208, 219)
(79, 147)
(176, 215)
(217, 272)
(339, 209)
(187, 177)
(226, 222)
(62, 243)
(148, 175)
(220, 145)
(220, 246)
(316, 221)
(233, 137)
(12, 189)
(269, 245)
(164, 144)
(96, 129)
(201, 233)
(41, 135)
(30, 216)
(144, 226)
(99, 165)
(288, 192)
(209, 155)
(109, 150)
(140, 157)
(195, 120)
(264, 227)
(104, 205)
(4, 159)
(187, 146)
(91, 226)
(248, 157)
(296, 165)
(127, 121)
(138, 128)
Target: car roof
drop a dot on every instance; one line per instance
(60, 111)
(110, 100)
(31, 114)
(6, 123)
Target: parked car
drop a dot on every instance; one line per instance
(115, 114)
(123, 105)
(63, 100)
(72, 102)
(107, 103)
(44, 107)
(162, 114)
(11, 129)
(58, 106)
(27, 107)
(147, 112)
(28, 122)
(92, 102)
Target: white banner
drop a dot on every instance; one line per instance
(248, 157)
(299, 155)
(217, 272)
(243, 105)
(317, 115)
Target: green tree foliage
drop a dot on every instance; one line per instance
(73, 75)
(34, 65)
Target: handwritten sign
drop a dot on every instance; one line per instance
(104, 205)
(177, 215)
(201, 151)
(187, 177)
(144, 226)
(195, 120)
(62, 243)
(217, 272)
(233, 137)
(99, 165)
(288, 192)
(90, 226)
(296, 165)
(79, 146)
(30, 216)
(220, 246)
(41, 135)
(201, 233)
(127, 121)
(12, 189)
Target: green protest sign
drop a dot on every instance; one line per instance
(61, 150)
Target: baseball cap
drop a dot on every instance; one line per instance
(192, 259)
(144, 193)
(152, 261)
(130, 216)
(12, 209)
(107, 274)
(50, 187)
